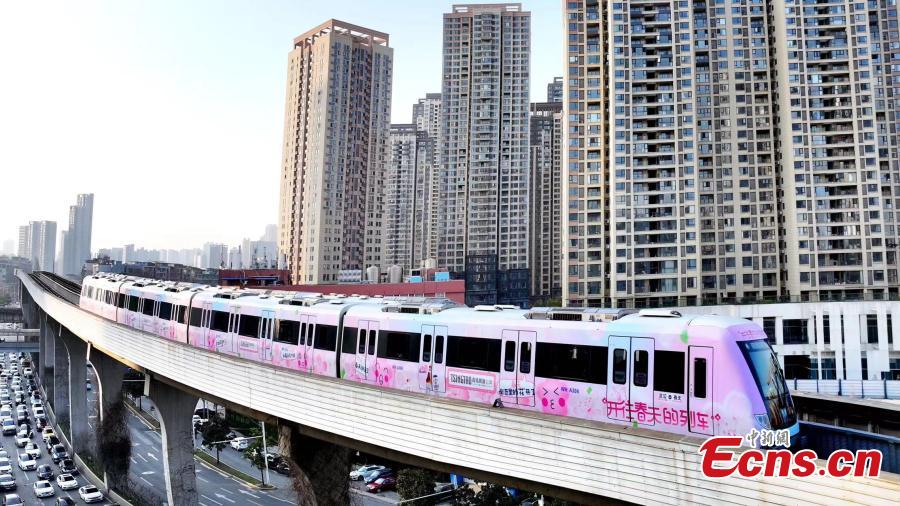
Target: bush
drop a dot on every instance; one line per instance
(412, 483)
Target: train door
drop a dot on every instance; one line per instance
(517, 371)
(307, 347)
(371, 351)
(434, 346)
(366, 344)
(629, 390)
(700, 391)
(266, 329)
(231, 336)
(205, 317)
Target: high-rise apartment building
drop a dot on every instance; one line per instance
(76, 243)
(555, 90)
(485, 99)
(427, 118)
(337, 119)
(546, 199)
(400, 194)
(838, 83)
(40, 242)
(23, 248)
(720, 153)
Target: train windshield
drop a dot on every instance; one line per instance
(770, 380)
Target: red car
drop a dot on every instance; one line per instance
(382, 484)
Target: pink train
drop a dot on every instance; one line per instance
(654, 369)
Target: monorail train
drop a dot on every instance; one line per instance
(655, 369)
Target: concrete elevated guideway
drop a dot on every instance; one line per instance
(320, 417)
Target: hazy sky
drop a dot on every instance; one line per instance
(171, 112)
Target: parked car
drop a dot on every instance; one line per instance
(66, 482)
(68, 466)
(359, 473)
(378, 473)
(7, 482)
(58, 452)
(45, 472)
(282, 468)
(27, 462)
(382, 484)
(240, 444)
(89, 493)
(43, 488)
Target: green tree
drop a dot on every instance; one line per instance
(215, 433)
(254, 451)
(489, 495)
(412, 483)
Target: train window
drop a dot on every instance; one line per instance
(700, 378)
(165, 311)
(362, 341)
(287, 332)
(509, 356)
(620, 364)
(178, 315)
(572, 362)
(426, 348)
(303, 334)
(668, 371)
(371, 342)
(248, 325)
(196, 317)
(439, 350)
(122, 301)
(219, 321)
(399, 346)
(347, 342)
(133, 301)
(148, 307)
(326, 337)
(525, 358)
(641, 368)
(473, 353)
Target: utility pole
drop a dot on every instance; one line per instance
(265, 453)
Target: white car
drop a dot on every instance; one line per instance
(43, 488)
(22, 441)
(47, 433)
(5, 466)
(33, 450)
(26, 462)
(359, 473)
(28, 372)
(240, 443)
(38, 412)
(89, 493)
(37, 403)
(66, 482)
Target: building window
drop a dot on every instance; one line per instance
(797, 367)
(828, 369)
(890, 329)
(826, 329)
(795, 331)
(872, 328)
(769, 329)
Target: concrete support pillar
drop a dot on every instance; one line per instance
(110, 373)
(60, 380)
(76, 351)
(175, 408)
(318, 466)
(49, 329)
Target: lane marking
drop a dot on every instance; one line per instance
(152, 456)
(146, 481)
(210, 499)
(220, 496)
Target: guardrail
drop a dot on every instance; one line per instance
(871, 389)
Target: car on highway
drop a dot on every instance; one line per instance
(65, 501)
(22, 441)
(37, 403)
(26, 462)
(89, 493)
(7, 482)
(47, 432)
(382, 484)
(43, 488)
(3, 453)
(5, 466)
(40, 422)
(58, 452)
(19, 400)
(359, 473)
(38, 412)
(13, 500)
(51, 442)
(33, 450)
(9, 426)
(240, 443)
(66, 482)
(68, 466)
(378, 473)
(45, 472)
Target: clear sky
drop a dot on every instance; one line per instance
(171, 112)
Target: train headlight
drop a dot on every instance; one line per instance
(762, 421)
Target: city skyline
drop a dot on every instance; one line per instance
(227, 91)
